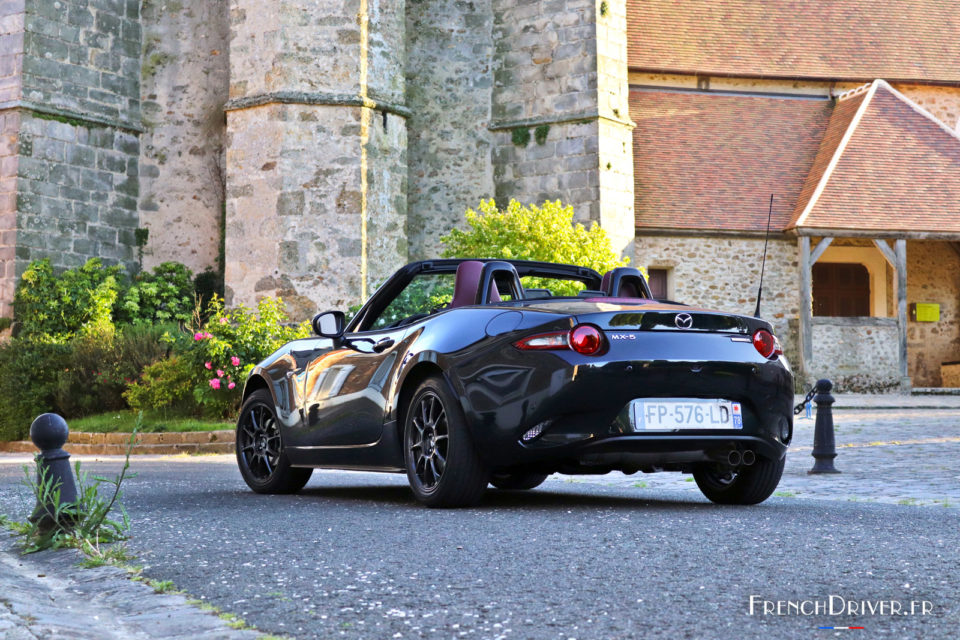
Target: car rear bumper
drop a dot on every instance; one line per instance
(581, 409)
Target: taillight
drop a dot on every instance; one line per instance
(584, 339)
(553, 340)
(766, 344)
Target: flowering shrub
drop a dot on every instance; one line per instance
(215, 357)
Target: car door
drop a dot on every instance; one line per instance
(344, 391)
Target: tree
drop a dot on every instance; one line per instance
(546, 233)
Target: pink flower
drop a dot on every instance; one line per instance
(231, 385)
(223, 321)
(215, 383)
(220, 372)
(208, 365)
(198, 336)
(235, 361)
(207, 334)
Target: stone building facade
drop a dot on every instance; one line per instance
(308, 149)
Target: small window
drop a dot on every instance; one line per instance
(657, 279)
(841, 289)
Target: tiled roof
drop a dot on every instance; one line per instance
(710, 162)
(825, 39)
(885, 165)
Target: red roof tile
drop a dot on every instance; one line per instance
(826, 39)
(710, 162)
(895, 169)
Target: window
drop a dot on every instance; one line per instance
(425, 293)
(841, 289)
(657, 279)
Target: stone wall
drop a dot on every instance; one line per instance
(933, 275)
(9, 136)
(185, 77)
(449, 77)
(76, 193)
(69, 77)
(723, 273)
(83, 57)
(561, 66)
(294, 226)
(316, 152)
(857, 354)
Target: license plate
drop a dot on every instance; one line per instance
(682, 414)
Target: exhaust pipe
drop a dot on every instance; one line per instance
(733, 458)
(748, 457)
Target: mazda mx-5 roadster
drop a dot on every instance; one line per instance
(464, 373)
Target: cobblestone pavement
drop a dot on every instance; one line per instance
(900, 456)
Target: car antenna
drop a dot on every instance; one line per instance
(766, 238)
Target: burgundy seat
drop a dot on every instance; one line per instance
(467, 283)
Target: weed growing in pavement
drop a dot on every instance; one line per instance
(117, 555)
(162, 586)
(84, 524)
(234, 621)
(785, 494)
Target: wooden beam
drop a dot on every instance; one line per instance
(887, 252)
(821, 247)
(806, 307)
(900, 249)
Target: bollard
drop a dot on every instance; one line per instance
(49, 433)
(824, 445)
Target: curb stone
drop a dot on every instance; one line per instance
(221, 441)
(45, 595)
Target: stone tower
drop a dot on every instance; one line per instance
(359, 134)
(317, 150)
(69, 148)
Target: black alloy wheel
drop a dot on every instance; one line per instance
(260, 455)
(741, 485)
(442, 466)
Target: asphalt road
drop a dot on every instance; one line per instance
(354, 556)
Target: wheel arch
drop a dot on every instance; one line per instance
(254, 383)
(417, 374)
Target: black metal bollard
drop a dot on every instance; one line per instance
(824, 445)
(49, 432)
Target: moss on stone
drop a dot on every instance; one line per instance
(520, 136)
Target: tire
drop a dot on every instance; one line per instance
(260, 455)
(518, 481)
(746, 485)
(442, 466)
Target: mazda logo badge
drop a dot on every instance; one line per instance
(683, 321)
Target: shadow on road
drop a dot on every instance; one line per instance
(541, 499)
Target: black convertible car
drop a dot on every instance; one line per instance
(462, 373)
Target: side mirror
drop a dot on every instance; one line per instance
(329, 324)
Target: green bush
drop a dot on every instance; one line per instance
(162, 295)
(80, 301)
(165, 385)
(29, 377)
(546, 233)
(100, 368)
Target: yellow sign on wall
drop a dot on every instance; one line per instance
(925, 312)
